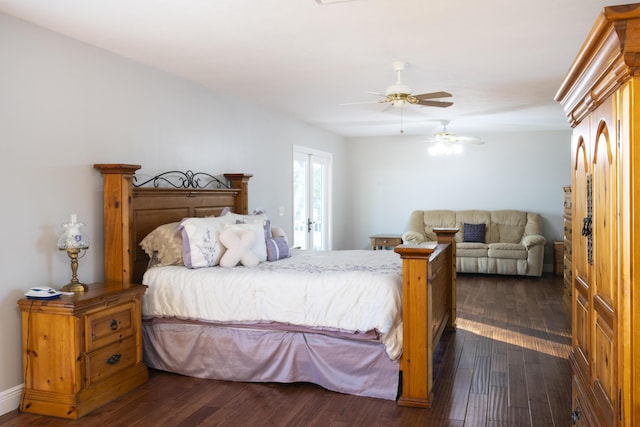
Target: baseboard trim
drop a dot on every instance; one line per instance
(10, 399)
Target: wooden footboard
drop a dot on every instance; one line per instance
(428, 299)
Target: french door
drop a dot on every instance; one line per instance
(311, 198)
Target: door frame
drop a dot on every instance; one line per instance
(328, 191)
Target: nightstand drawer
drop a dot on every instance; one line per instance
(568, 230)
(103, 363)
(110, 325)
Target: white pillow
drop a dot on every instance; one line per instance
(238, 245)
(200, 244)
(261, 218)
(259, 246)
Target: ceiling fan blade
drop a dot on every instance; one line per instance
(441, 104)
(376, 93)
(434, 95)
(360, 102)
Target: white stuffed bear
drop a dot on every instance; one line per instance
(238, 246)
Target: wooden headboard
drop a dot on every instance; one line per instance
(130, 213)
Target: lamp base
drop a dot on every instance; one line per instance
(75, 287)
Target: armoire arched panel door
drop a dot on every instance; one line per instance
(601, 97)
(604, 265)
(594, 355)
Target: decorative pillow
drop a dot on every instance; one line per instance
(474, 232)
(245, 219)
(279, 232)
(277, 248)
(164, 245)
(267, 229)
(200, 245)
(238, 244)
(259, 247)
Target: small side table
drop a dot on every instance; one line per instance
(385, 241)
(81, 351)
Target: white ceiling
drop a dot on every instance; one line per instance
(502, 60)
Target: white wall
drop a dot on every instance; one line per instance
(65, 106)
(395, 175)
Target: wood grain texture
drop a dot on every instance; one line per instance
(499, 351)
(600, 94)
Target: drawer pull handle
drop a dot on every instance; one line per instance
(114, 359)
(114, 324)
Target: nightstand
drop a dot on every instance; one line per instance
(385, 241)
(82, 351)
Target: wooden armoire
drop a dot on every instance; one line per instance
(601, 97)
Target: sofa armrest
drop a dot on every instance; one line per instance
(413, 237)
(533, 240)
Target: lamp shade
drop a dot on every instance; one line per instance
(73, 236)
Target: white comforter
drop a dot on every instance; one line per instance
(356, 290)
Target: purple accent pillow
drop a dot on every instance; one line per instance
(267, 229)
(277, 248)
(474, 232)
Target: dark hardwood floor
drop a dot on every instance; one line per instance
(506, 365)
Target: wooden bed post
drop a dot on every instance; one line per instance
(118, 250)
(445, 235)
(416, 362)
(428, 307)
(241, 181)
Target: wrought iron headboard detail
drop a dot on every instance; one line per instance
(188, 179)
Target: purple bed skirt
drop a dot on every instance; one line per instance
(221, 352)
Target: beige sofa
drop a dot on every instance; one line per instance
(496, 242)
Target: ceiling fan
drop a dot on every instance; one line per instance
(399, 94)
(445, 142)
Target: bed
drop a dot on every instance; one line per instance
(193, 324)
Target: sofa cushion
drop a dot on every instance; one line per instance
(507, 250)
(471, 249)
(473, 233)
(510, 224)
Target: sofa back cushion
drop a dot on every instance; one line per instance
(426, 221)
(534, 224)
(510, 225)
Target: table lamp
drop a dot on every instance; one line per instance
(73, 239)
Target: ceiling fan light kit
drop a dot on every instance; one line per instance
(448, 143)
(445, 149)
